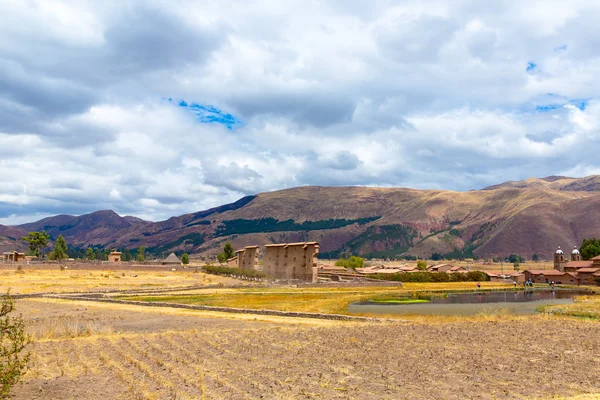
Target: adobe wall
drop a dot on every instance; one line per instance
(292, 261)
(248, 258)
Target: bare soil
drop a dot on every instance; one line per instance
(106, 351)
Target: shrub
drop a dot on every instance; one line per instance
(13, 340)
(248, 273)
(471, 276)
(185, 259)
(422, 265)
(352, 262)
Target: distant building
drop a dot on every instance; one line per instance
(551, 275)
(171, 260)
(114, 256)
(13, 256)
(561, 263)
(446, 268)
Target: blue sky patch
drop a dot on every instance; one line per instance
(579, 103)
(560, 49)
(207, 114)
(531, 66)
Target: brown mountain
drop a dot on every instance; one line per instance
(526, 217)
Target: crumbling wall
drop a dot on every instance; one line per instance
(292, 261)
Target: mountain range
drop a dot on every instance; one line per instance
(527, 217)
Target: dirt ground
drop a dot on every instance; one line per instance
(86, 350)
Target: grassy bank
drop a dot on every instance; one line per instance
(583, 307)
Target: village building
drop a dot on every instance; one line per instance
(589, 276)
(114, 256)
(171, 260)
(551, 275)
(292, 261)
(13, 256)
(446, 268)
(506, 277)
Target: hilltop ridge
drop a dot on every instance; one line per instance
(526, 217)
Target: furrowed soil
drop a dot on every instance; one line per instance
(88, 350)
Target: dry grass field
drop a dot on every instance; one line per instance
(43, 281)
(91, 350)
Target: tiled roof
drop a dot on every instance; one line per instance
(588, 269)
(549, 272)
(579, 264)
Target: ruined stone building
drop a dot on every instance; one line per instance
(291, 261)
(246, 258)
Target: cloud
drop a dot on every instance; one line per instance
(398, 93)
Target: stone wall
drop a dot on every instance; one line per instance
(292, 261)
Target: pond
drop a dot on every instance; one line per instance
(515, 302)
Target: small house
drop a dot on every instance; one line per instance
(171, 260)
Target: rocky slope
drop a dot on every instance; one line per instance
(527, 217)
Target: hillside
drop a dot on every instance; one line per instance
(526, 217)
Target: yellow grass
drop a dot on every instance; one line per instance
(584, 307)
(36, 281)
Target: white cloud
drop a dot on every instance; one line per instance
(399, 93)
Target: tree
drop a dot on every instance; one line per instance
(222, 258)
(126, 255)
(515, 258)
(37, 242)
(13, 340)
(141, 254)
(437, 256)
(590, 248)
(185, 259)
(89, 254)
(228, 251)
(60, 248)
(516, 266)
(352, 262)
(535, 258)
(422, 265)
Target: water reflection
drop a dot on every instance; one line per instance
(516, 302)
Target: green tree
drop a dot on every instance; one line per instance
(590, 248)
(185, 259)
(228, 251)
(422, 265)
(535, 258)
(222, 258)
(37, 242)
(352, 262)
(89, 254)
(13, 340)
(60, 248)
(141, 254)
(516, 266)
(126, 255)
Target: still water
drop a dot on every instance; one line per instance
(517, 302)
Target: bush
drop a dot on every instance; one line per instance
(13, 362)
(185, 259)
(422, 265)
(218, 270)
(352, 262)
(471, 276)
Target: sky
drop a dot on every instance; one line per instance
(156, 108)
